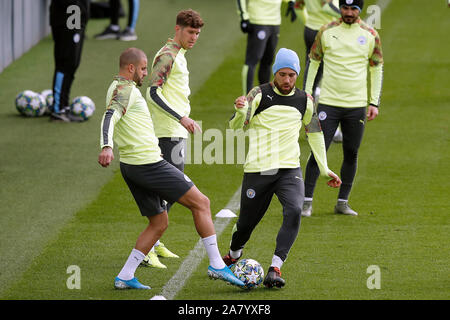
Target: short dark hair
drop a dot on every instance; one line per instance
(189, 18)
(131, 56)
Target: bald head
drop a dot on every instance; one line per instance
(133, 65)
(131, 56)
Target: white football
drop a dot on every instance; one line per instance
(30, 104)
(48, 97)
(82, 106)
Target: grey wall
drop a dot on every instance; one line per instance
(22, 24)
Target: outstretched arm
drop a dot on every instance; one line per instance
(317, 143)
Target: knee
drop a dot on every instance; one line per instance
(350, 155)
(202, 202)
(161, 225)
(164, 225)
(292, 214)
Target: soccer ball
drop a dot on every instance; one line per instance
(83, 107)
(48, 97)
(30, 104)
(250, 272)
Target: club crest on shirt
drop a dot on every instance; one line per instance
(251, 193)
(322, 115)
(362, 40)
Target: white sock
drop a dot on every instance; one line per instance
(276, 262)
(236, 254)
(215, 260)
(308, 199)
(114, 27)
(156, 243)
(133, 261)
(342, 200)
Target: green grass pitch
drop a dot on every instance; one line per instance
(60, 208)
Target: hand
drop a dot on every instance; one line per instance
(106, 156)
(290, 10)
(335, 182)
(190, 125)
(245, 24)
(240, 102)
(372, 112)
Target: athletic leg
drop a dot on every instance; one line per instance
(352, 129)
(114, 7)
(256, 42)
(133, 12)
(199, 205)
(308, 36)
(58, 76)
(200, 208)
(256, 194)
(265, 66)
(150, 206)
(173, 150)
(290, 192)
(68, 49)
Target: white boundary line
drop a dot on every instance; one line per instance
(196, 255)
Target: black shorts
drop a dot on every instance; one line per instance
(154, 184)
(173, 151)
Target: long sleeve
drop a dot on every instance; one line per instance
(376, 84)
(161, 70)
(242, 9)
(312, 72)
(329, 8)
(242, 116)
(109, 120)
(376, 72)
(300, 9)
(315, 57)
(116, 108)
(315, 137)
(154, 94)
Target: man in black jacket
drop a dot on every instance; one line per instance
(68, 19)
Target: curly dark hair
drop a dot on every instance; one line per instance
(189, 18)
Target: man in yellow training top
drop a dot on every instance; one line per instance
(261, 20)
(274, 113)
(150, 178)
(168, 100)
(348, 48)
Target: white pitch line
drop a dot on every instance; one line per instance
(196, 255)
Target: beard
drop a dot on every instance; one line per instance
(137, 79)
(349, 19)
(281, 89)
